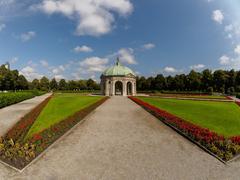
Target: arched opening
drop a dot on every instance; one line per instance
(129, 89)
(118, 88)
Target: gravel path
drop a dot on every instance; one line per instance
(120, 140)
(10, 115)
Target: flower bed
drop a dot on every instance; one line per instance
(223, 148)
(19, 152)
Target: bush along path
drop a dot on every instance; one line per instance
(221, 147)
(19, 152)
(7, 99)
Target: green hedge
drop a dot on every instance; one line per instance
(10, 98)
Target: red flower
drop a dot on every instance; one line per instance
(36, 137)
(196, 132)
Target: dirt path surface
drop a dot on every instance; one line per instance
(10, 115)
(120, 140)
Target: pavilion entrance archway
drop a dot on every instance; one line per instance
(129, 89)
(118, 88)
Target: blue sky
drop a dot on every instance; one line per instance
(75, 39)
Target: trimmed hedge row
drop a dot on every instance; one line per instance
(10, 98)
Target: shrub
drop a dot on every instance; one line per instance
(10, 98)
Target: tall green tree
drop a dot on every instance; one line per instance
(62, 85)
(53, 84)
(44, 84)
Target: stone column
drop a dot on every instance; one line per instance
(124, 88)
(106, 88)
(113, 88)
(133, 88)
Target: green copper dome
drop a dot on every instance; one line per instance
(118, 70)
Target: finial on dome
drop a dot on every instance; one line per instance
(118, 61)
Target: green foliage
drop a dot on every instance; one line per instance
(53, 84)
(9, 98)
(12, 98)
(11, 80)
(221, 81)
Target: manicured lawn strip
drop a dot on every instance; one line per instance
(220, 146)
(190, 96)
(59, 108)
(20, 154)
(220, 117)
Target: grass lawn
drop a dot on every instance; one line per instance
(190, 96)
(60, 107)
(220, 117)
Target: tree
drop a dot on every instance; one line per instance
(22, 83)
(62, 84)
(194, 80)
(92, 85)
(72, 85)
(82, 85)
(237, 80)
(35, 84)
(44, 84)
(158, 83)
(207, 79)
(230, 80)
(180, 81)
(171, 83)
(53, 84)
(219, 79)
(140, 83)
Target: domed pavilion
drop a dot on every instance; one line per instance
(118, 80)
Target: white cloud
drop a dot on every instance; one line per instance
(93, 64)
(6, 2)
(30, 73)
(94, 17)
(44, 63)
(237, 50)
(218, 16)
(229, 28)
(126, 55)
(197, 66)
(233, 31)
(84, 48)
(58, 70)
(13, 60)
(224, 60)
(58, 77)
(170, 70)
(27, 36)
(149, 46)
(2, 26)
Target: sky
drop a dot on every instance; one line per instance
(75, 39)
